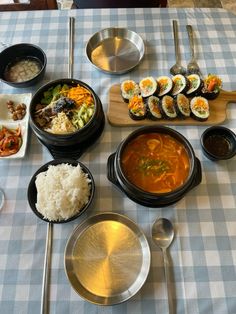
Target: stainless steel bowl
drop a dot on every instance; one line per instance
(115, 50)
(107, 259)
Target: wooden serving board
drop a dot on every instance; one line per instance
(117, 111)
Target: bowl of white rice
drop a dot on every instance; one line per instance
(61, 190)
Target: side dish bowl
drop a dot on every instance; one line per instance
(16, 54)
(32, 190)
(218, 143)
(117, 176)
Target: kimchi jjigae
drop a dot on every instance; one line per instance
(155, 162)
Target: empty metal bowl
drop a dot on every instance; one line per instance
(115, 50)
(12, 55)
(218, 143)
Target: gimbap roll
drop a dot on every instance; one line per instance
(195, 85)
(165, 84)
(129, 88)
(199, 108)
(182, 106)
(180, 84)
(137, 108)
(148, 87)
(211, 86)
(153, 106)
(168, 107)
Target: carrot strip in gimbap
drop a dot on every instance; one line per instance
(129, 88)
(137, 108)
(148, 86)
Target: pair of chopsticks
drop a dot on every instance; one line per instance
(48, 250)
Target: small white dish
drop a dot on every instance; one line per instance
(7, 121)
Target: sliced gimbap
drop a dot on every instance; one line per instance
(137, 108)
(211, 86)
(165, 85)
(129, 88)
(182, 106)
(195, 85)
(148, 87)
(168, 107)
(153, 105)
(180, 84)
(199, 108)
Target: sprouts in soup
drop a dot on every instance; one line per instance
(155, 162)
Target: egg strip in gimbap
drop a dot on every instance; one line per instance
(182, 106)
(199, 108)
(129, 88)
(180, 84)
(165, 84)
(137, 108)
(153, 106)
(148, 87)
(195, 85)
(168, 107)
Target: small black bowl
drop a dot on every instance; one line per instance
(32, 191)
(218, 143)
(16, 52)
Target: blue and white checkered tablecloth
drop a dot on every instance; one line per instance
(204, 251)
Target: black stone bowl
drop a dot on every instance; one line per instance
(117, 177)
(218, 143)
(32, 191)
(70, 145)
(19, 51)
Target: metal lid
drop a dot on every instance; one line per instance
(107, 259)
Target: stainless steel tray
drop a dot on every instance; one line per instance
(115, 50)
(107, 259)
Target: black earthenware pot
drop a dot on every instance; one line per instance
(117, 177)
(74, 144)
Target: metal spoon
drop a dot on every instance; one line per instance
(192, 66)
(177, 68)
(163, 235)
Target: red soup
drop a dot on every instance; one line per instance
(155, 162)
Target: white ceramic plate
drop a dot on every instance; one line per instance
(8, 122)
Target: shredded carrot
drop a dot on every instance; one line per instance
(128, 86)
(136, 102)
(146, 83)
(80, 95)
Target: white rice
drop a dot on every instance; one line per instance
(62, 191)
